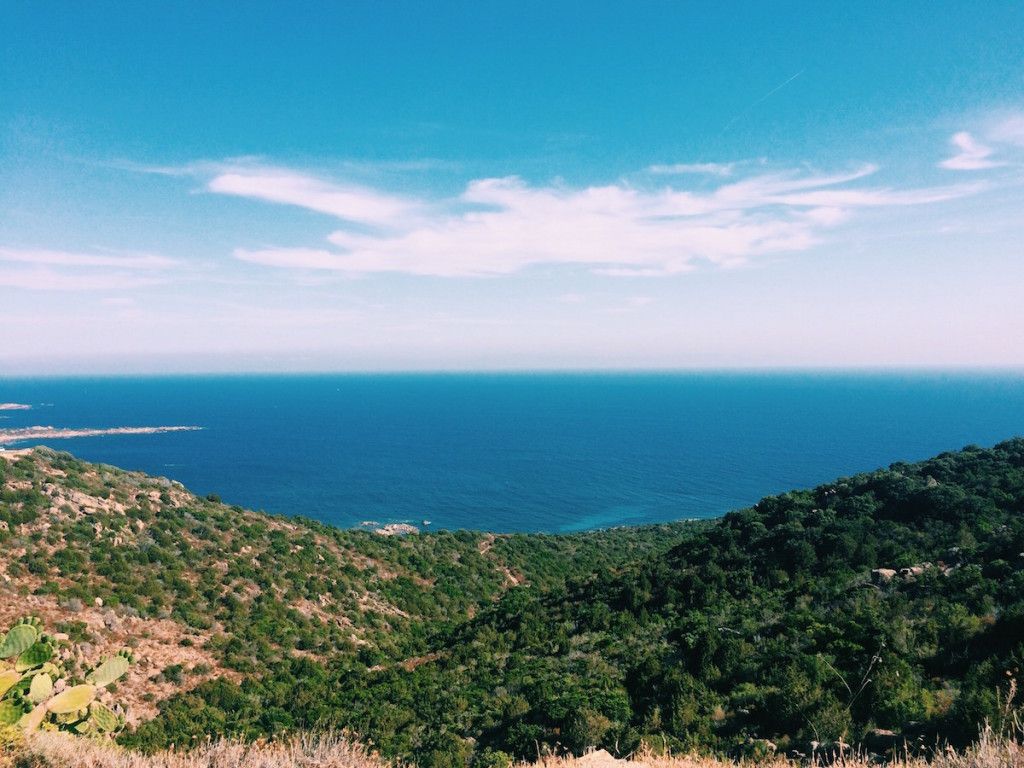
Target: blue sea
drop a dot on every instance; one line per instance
(519, 452)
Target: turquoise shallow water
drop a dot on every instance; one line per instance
(530, 452)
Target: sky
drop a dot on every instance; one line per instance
(364, 186)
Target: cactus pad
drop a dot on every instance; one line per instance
(10, 713)
(18, 640)
(72, 700)
(41, 689)
(8, 679)
(110, 670)
(33, 719)
(103, 718)
(35, 691)
(34, 656)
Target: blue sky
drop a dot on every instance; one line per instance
(384, 185)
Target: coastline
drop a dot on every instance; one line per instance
(55, 433)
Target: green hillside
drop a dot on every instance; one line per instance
(882, 605)
(251, 590)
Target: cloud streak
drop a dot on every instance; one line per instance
(762, 99)
(501, 226)
(47, 279)
(1008, 129)
(73, 259)
(50, 270)
(706, 169)
(1003, 134)
(353, 203)
(972, 155)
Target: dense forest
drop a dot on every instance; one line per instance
(879, 607)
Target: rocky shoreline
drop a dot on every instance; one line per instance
(55, 433)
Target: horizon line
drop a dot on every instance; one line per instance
(1017, 369)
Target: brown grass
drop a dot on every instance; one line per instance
(990, 751)
(53, 750)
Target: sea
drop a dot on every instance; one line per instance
(518, 452)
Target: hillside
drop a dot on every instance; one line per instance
(204, 590)
(877, 608)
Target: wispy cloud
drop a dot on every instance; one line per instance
(1002, 136)
(679, 169)
(1007, 128)
(971, 154)
(50, 270)
(74, 259)
(350, 202)
(500, 226)
(47, 279)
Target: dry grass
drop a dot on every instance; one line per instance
(55, 750)
(52, 750)
(991, 751)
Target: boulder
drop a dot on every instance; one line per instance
(883, 575)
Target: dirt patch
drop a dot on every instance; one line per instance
(512, 579)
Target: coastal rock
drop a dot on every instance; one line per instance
(396, 529)
(915, 570)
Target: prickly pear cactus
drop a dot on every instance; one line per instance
(8, 679)
(104, 719)
(110, 670)
(37, 693)
(20, 637)
(34, 656)
(41, 688)
(72, 700)
(10, 713)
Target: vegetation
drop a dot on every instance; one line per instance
(881, 609)
(39, 689)
(268, 586)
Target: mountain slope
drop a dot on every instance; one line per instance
(882, 606)
(886, 605)
(118, 556)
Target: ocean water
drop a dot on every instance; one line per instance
(523, 452)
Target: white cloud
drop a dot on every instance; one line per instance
(500, 226)
(678, 169)
(350, 202)
(72, 259)
(972, 155)
(48, 279)
(297, 258)
(1007, 129)
(34, 269)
